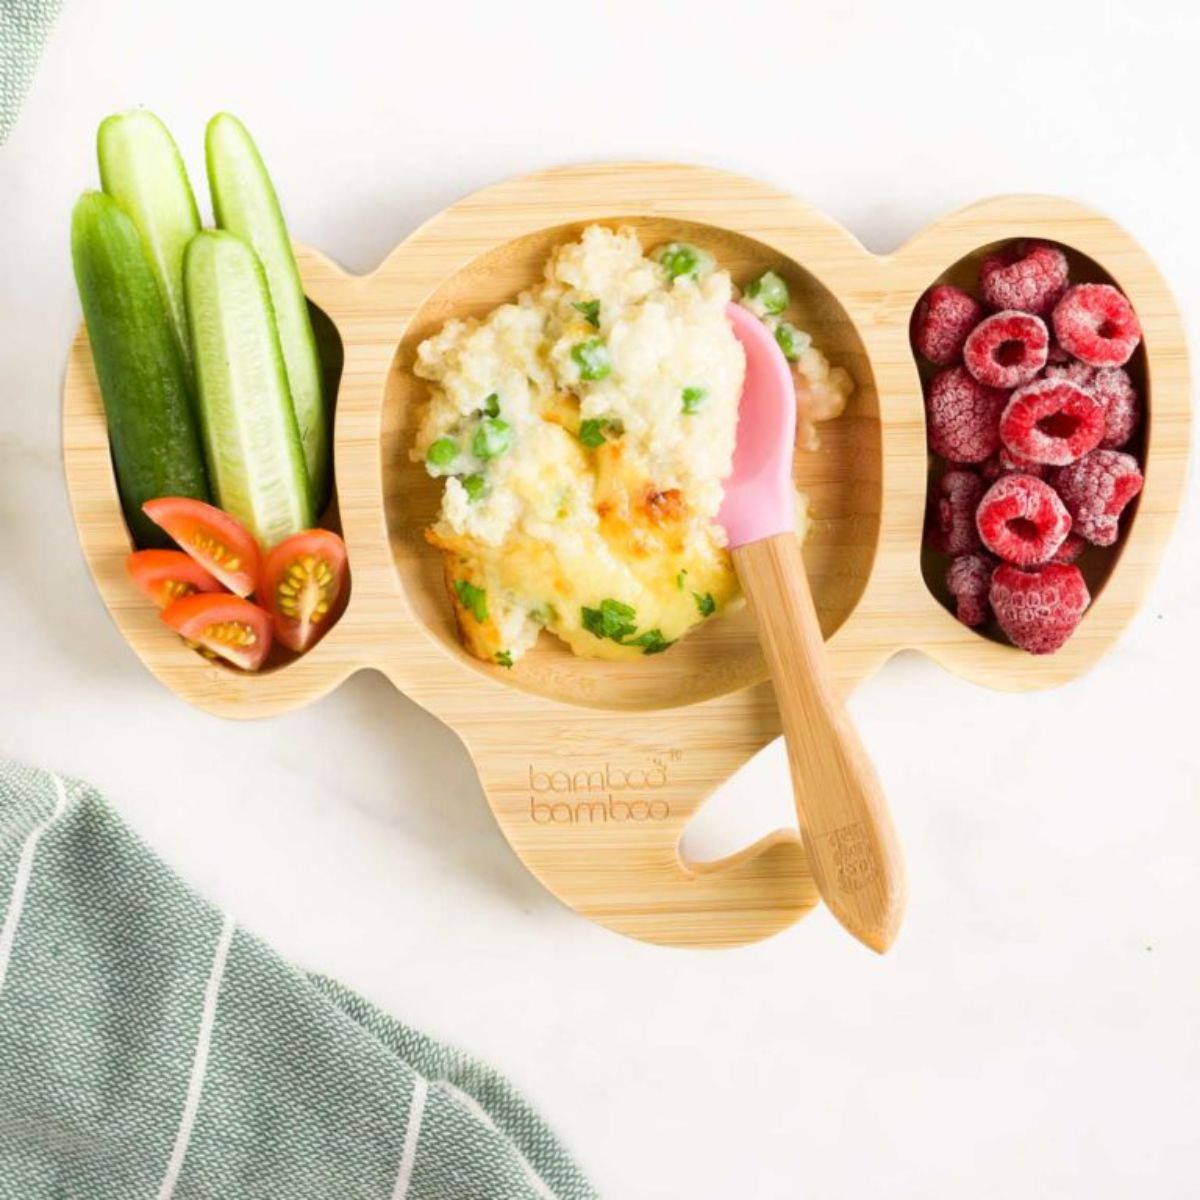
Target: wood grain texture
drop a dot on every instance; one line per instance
(594, 770)
(845, 825)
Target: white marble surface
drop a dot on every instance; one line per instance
(1036, 1031)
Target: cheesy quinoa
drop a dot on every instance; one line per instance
(583, 433)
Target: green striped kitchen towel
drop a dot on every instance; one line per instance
(151, 1048)
(24, 26)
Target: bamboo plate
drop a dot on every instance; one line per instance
(592, 769)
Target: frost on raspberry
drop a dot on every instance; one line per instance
(941, 321)
(1113, 387)
(964, 416)
(1122, 406)
(968, 578)
(1072, 547)
(1022, 520)
(1007, 349)
(1095, 322)
(1026, 276)
(1005, 462)
(1096, 491)
(1038, 609)
(954, 513)
(1052, 421)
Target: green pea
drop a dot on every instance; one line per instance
(591, 432)
(474, 486)
(683, 261)
(694, 398)
(792, 341)
(592, 359)
(442, 452)
(768, 294)
(492, 437)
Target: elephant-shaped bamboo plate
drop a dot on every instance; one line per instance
(593, 769)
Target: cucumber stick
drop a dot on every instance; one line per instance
(244, 202)
(140, 168)
(151, 426)
(251, 439)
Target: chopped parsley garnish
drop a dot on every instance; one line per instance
(618, 623)
(792, 341)
(473, 599)
(442, 452)
(503, 658)
(611, 620)
(492, 437)
(595, 430)
(706, 604)
(592, 359)
(651, 642)
(543, 614)
(491, 406)
(474, 486)
(693, 398)
(680, 578)
(590, 310)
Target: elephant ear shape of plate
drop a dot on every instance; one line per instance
(594, 769)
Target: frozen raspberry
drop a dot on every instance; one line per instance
(1096, 490)
(1056, 355)
(1027, 276)
(1072, 370)
(1052, 421)
(1116, 393)
(1094, 322)
(1022, 520)
(1007, 349)
(1005, 462)
(968, 578)
(1122, 406)
(1069, 551)
(964, 416)
(959, 493)
(941, 321)
(1038, 609)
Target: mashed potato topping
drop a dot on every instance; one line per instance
(583, 433)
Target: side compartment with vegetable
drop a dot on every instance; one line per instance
(217, 396)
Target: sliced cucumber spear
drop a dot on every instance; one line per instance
(140, 168)
(255, 458)
(151, 424)
(244, 202)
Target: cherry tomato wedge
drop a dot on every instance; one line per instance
(303, 583)
(223, 547)
(224, 625)
(165, 575)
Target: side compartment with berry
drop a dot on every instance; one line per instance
(1036, 390)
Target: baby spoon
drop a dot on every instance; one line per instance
(844, 822)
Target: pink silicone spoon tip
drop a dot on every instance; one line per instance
(759, 497)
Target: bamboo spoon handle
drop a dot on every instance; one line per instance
(844, 820)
